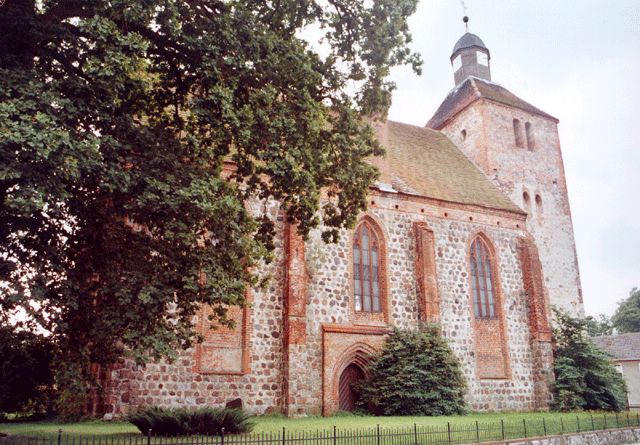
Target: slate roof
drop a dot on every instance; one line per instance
(473, 89)
(621, 347)
(467, 41)
(424, 162)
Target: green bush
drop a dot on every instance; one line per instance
(179, 422)
(417, 373)
(585, 378)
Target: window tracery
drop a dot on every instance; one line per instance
(482, 280)
(367, 269)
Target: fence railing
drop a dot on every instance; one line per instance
(449, 434)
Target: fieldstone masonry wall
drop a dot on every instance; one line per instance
(179, 384)
(314, 279)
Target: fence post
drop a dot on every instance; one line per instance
(477, 432)
(149, 437)
(561, 425)
(59, 436)
(378, 434)
(284, 435)
(605, 420)
(593, 425)
(449, 432)
(222, 436)
(524, 423)
(578, 423)
(415, 433)
(617, 421)
(544, 426)
(502, 427)
(335, 439)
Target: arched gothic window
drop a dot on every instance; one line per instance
(366, 269)
(482, 283)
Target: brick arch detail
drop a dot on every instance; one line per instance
(359, 354)
(490, 335)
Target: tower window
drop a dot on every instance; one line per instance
(517, 132)
(482, 58)
(482, 287)
(531, 143)
(463, 134)
(538, 200)
(526, 199)
(367, 269)
(457, 63)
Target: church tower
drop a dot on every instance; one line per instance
(517, 146)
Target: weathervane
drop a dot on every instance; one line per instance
(465, 19)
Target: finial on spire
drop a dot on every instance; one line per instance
(465, 19)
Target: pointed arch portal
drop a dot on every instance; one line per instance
(347, 395)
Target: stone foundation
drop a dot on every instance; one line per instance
(608, 437)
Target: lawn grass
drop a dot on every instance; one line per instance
(275, 424)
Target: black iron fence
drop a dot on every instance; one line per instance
(449, 434)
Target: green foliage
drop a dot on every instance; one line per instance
(627, 315)
(585, 378)
(26, 380)
(173, 422)
(417, 373)
(117, 120)
(600, 325)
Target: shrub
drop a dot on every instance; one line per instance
(175, 422)
(417, 373)
(585, 378)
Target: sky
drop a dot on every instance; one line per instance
(580, 62)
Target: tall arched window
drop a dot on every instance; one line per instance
(366, 269)
(482, 287)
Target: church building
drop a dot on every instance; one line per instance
(468, 226)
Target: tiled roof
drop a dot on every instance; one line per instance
(473, 89)
(425, 162)
(621, 347)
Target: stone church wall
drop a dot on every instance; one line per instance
(179, 384)
(329, 298)
(333, 327)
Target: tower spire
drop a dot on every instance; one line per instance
(465, 19)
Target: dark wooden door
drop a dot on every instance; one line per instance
(346, 394)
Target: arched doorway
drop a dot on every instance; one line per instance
(346, 394)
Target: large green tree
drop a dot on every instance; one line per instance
(585, 377)
(116, 120)
(627, 315)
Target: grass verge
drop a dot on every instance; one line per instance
(515, 422)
